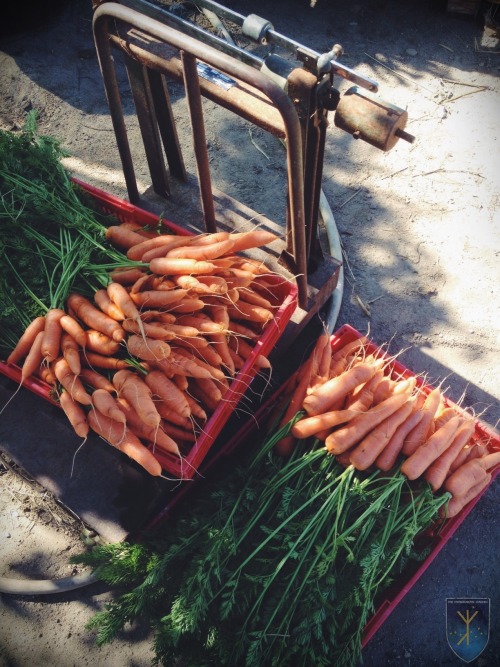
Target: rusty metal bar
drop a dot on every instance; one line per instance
(108, 11)
(193, 96)
(166, 123)
(141, 92)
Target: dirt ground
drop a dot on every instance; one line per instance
(420, 232)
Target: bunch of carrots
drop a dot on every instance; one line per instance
(369, 416)
(149, 358)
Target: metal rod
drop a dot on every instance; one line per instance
(193, 96)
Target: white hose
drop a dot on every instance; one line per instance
(335, 301)
(45, 586)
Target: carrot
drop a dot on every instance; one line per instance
(421, 431)
(254, 238)
(237, 360)
(239, 329)
(251, 296)
(247, 311)
(71, 382)
(188, 305)
(126, 276)
(94, 360)
(124, 440)
(196, 409)
(457, 503)
(75, 414)
(202, 322)
(100, 343)
(172, 416)
(104, 303)
(215, 373)
(46, 374)
(205, 252)
(162, 387)
(136, 392)
(51, 341)
(176, 364)
(71, 352)
(467, 476)
(96, 380)
(426, 453)
(285, 446)
(72, 327)
(384, 389)
(223, 350)
(148, 329)
(362, 397)
(157, 316)
(209, 393)
(438, 471)
(119, 295)
(122, 237)
(153, 434)
(209, 238)
(203, 284)
(308, 426)
(174, 266)
(325, 395)
(94, 318)
(356, 429)
(388, 457)
(209, 355)
(158, 298)
(176, 432)
(105, 403)
(33, 359)
(26, 340)
(372, 445)
(148, 349)
(161, 243)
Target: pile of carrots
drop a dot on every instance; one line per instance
(147, 361)
(368, 416)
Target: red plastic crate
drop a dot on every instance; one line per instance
(434, 538)
(284, 296)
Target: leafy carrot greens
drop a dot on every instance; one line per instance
(279, 564)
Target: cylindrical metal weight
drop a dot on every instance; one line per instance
(370, 118)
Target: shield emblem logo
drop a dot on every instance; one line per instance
(467, 626)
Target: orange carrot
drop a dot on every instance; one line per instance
(215, 372)
(125, 441)
(161, 243)
(176, 432)
(105, 403)
(308, 426)
(26, 340)
(426, 453)
(51, 342)
(438, 471)
(148, 349)
(166, 390)
(33, 359)
(327, 394)
(355, 430)
(254, 238)
(148, 329)
(94, 318)
(251, 296)
(389, 455)
(153, 434)
(373, 444)
(205, 252)
(122, 237)
(247, 311)
(158, 298)
(119, 295)
(174, 266)
(136, 392)
(104, 303)
(94, 360)
(71, 352)
(96, 380)
(187, 305)
(75, 414)
(100, 343)
(72, 327)
(471, 473)
(126, 276)
(457, 503)
(71, 382)
(421, 431)
(202, 323)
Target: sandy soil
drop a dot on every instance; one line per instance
(421, 235)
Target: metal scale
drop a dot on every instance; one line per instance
(289, 97)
